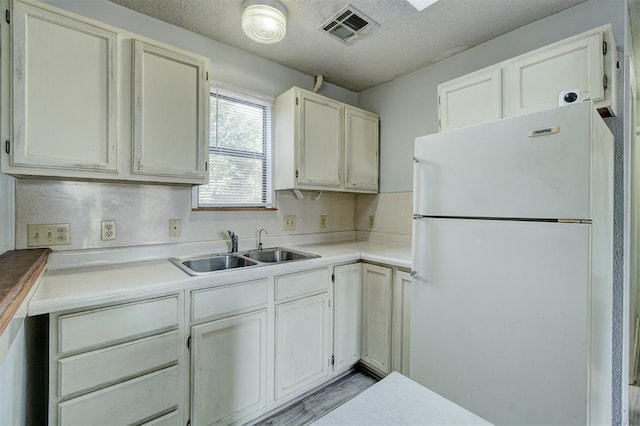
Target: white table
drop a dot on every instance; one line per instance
(398, 400)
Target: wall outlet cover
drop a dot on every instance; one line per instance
(323, 221)
(108, 230)
(372, 221)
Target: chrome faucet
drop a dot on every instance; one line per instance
(234, 241)
(260, 238)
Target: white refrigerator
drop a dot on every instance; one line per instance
(511, 313)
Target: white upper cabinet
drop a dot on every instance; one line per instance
(322, 144)
(64, 92)
(170, 112)
(320, 141)
(534, 81)
(474, 98)
(586, 63)
(361, 150)
(91, 101)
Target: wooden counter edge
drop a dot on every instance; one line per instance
(23, 286)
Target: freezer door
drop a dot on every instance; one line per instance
(498, 170)
(499, 318)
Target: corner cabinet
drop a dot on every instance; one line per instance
(377, 290)
(322, 144)
(90, 101)
(586, 63)
(347, 315)
(169, 113)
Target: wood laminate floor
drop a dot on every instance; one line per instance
(316, 405)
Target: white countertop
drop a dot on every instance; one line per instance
(72, 288)
(398, 400)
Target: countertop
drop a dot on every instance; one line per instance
(398, 400)
(19, 270)
(73, 288)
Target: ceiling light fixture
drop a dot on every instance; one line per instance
(264, 21)
(421, 5)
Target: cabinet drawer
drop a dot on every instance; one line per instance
(92, 369)
(114, 324)
(171, 419)
(124, 403)
(302, 284)
(216, 301)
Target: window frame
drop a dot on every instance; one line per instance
(219, 89)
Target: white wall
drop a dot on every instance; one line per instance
(408, 106)
(7, 212)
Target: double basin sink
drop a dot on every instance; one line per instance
(205, 264)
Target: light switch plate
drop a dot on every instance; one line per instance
(49, 234)
(289, 222)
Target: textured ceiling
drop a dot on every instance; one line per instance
(404, 41)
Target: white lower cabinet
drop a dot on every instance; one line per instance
(347, 315)
(118, 364)
(401, 322)
(303, 330)
(229, 368)
(376, 317)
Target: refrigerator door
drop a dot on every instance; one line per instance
(498, 170)
(499, 318)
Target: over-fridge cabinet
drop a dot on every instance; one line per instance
(91, 101)
(323, 144)
(586, 64)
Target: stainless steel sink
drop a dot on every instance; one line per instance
(277, 254)
(212, 263)
(207, 264)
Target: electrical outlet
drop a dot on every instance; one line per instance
(372, 221)
(108, 230)
(45, 235)
(175, 227)
(289, 222)
(323, 221)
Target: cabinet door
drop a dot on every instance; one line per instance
(228, 368)
(64, 92)
(401, 322)
(302, 342)
(171, 113)
(320, 141)
(376, 317)
(361, 150)
(534, 81)
(347, 315)
(471, 99)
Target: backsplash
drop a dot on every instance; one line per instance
(142, 214)
(392, 213)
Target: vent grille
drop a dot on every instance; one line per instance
(348, 24)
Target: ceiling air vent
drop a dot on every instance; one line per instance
(348, 24)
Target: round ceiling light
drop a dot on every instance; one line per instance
(264, 21)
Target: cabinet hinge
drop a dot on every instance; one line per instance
(605, 82)
(297, 101)
(333, 360)
(604, 47)
(189, 422)
(206, 76)
(189, 343)
(297, 173)
(206, 166)
(7, 146)
(329, 303)
(7, 16)
(333, 278)
(438, 100)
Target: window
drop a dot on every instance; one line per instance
(239, 151)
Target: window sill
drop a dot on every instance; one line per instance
(234, 209)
